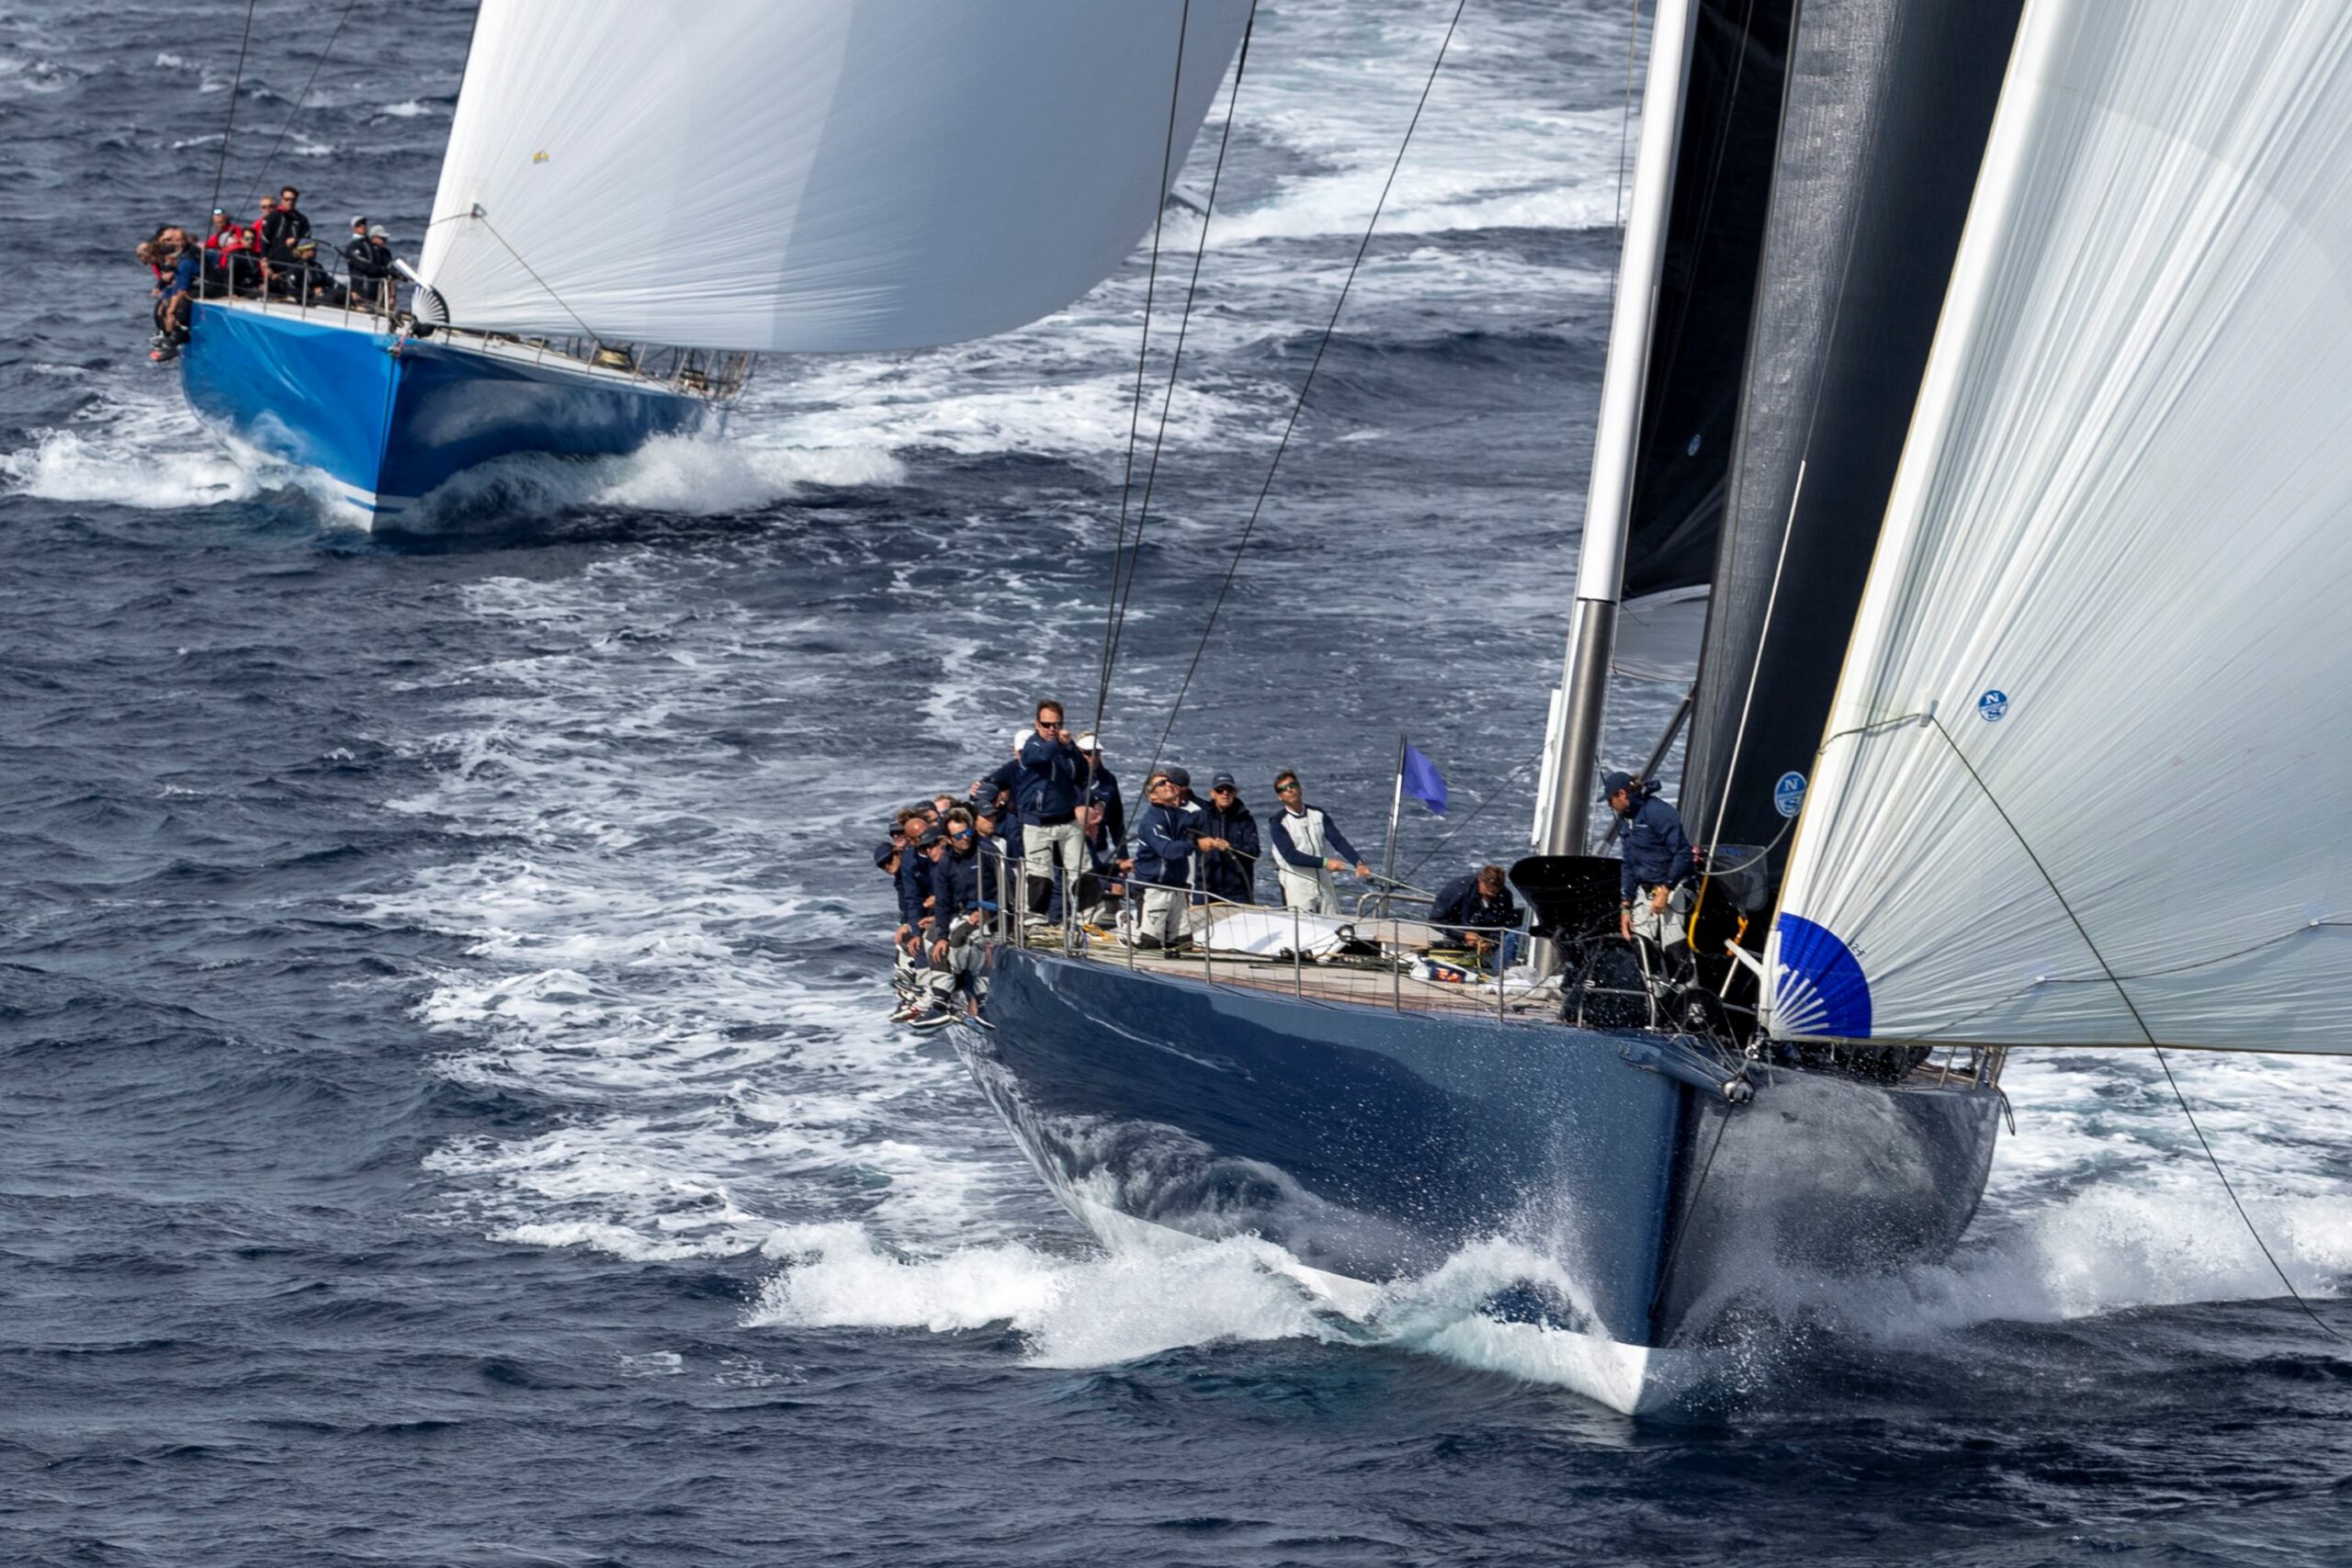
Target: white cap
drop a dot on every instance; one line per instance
(1021, 738)
(1088, 743)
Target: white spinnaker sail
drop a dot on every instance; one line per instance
(2114, 570)
(809, 174)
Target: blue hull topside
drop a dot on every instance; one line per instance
(391, 418)
(1373, 1144)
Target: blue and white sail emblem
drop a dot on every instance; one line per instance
(1993, 705)
(1818, 988)
(1787, 794)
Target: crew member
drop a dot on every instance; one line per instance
(1102, 788)
(1475, 911)
(1230, 874)
(1653, 888)
(1166, 836)
(1309, 847)
(1052, 785)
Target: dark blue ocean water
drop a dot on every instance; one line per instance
(447, 1114)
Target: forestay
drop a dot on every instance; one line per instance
(809, 174)
(2088, 757)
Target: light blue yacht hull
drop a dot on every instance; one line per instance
(389, 419)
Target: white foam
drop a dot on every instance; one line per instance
(63, 465)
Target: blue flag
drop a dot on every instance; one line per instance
(1423, 782)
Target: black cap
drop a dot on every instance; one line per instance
(929, 836)
(1611, 782)
(1178, 777)
(883, 851)
(1223, 781)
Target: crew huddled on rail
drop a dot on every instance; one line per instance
(1044, 840)
(273, 256)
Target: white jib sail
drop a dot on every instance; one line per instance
(2115, 570)
(809, 174)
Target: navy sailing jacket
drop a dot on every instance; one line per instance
(1230, 874)
(1656, 848)
(1164, 837)
(954, 888)
(1103, 790)
(914, 882)
(1051, 777)
(1461, 905)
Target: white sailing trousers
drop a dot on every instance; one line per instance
(1040, 846)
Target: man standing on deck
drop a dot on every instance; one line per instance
(1052, 788)
(1653, 889)
(1230, 874)
(1166, 835)
(1304, 841)
(1102, 788)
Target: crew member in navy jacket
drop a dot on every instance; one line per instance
(1659, 865)
(1468, 903)
(1230, 874)
(1102, 789)
(1166, 836)
(1052, 788)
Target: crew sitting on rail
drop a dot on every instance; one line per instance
(1654, 887)
(959, 909)
(1468, 903)
(301, 279)
(179, 271)
(1304, 841)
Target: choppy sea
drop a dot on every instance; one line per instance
(447, 1109)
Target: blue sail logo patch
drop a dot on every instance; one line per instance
(1818, 989)
(1992, 706)
(1787, 794)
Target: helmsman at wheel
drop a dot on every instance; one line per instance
(1653, 889)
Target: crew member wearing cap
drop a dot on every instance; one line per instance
(1102, 788)
(369, 263)
(1309, 847)
(1230, 874)
(1654, 885)
(1166, 836)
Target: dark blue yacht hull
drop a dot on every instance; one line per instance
(1373, 1144)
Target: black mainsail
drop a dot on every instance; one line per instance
(1887, 109)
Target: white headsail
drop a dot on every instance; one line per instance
(2089, 776)
(809, 174)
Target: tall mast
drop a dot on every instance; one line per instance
(1572, 749)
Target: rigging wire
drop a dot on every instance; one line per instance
(294, 110)
(1329, 328)
(1143, 352)
(1117, 631)
(2142, 1024)
(221, 167)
